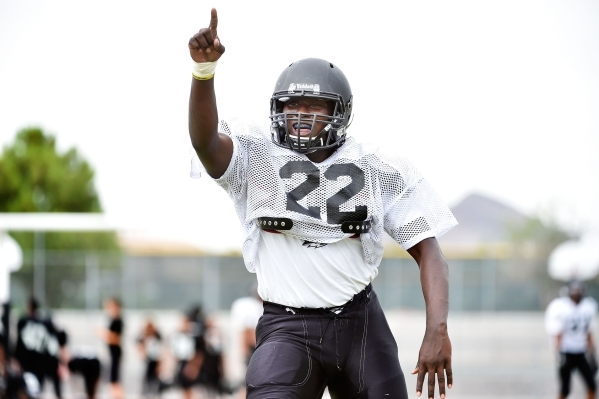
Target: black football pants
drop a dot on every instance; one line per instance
(301, 351)
(570, 362)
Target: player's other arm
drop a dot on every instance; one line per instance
(435, 353)
(112, 338)
(213, 148)
(558, 342)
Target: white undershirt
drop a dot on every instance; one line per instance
(299, 274)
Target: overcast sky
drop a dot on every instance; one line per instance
(495, 97)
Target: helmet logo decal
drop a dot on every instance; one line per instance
(314, 87)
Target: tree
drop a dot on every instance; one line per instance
(35, 177)
(541, 233)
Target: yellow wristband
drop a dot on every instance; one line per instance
(203, 70)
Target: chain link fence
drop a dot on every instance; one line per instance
(81, 280)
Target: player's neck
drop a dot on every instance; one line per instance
(321, 155)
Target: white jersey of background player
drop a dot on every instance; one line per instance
(314, 203)
(571, 322)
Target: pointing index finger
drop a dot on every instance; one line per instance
(213, 20)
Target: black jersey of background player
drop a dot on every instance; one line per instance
(116, 326)
(85, 362)
(32, 337)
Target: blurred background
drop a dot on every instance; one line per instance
(495, 102)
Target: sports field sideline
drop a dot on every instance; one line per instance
(496, 355)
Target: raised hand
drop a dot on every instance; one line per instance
(205, 46)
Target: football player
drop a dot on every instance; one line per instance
(569, 320)
(314, 204)
(32, 338)
(113, 337)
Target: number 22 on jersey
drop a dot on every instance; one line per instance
(312, 182)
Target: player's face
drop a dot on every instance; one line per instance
(307, 105)
(112, 308)
(576, 294)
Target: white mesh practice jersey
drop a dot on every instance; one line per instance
(572, 321)
(357, 182)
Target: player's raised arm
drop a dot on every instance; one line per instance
(213, 148)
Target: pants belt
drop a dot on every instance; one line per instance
(357, 299)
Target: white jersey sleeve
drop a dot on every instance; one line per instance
(554, 315)
(234, 179)
(413, 209)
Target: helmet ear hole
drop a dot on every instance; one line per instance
(331, 65)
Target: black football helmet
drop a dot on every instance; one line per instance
(311, 77)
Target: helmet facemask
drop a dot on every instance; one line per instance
(332, 135)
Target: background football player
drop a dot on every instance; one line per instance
(569, 320)
(314, 204)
